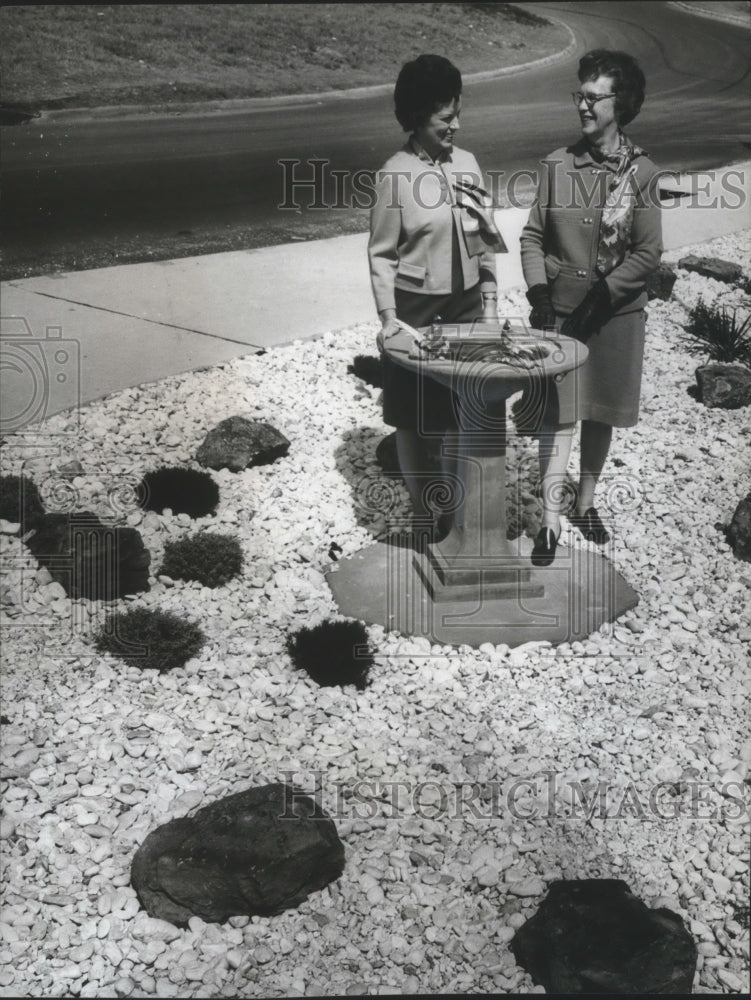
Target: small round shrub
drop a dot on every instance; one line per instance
(210, 559)
(332, 653)
(369, 369)
(91, 559)
(184, 491)
(20, 501)
(150, 639)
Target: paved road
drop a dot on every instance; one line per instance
(159, 175)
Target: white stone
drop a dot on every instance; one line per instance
(530, 886)
(235, 958)
(732, 784)
(488, 876)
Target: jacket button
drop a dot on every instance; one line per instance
(581, 274)
(587, 222)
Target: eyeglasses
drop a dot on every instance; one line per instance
(577, 97)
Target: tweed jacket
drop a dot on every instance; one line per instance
(412, 226)
(559, 243)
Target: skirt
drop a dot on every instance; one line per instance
(605, 388)
(412, 401)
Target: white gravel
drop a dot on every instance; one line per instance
(96, 754)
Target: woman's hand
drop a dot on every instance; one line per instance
(542, 316)
(388, 329)
(590, 314)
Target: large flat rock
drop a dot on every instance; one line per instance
(382, 585)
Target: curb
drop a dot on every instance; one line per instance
(233, 105)
(744, 22)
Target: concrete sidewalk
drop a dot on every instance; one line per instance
(75, 337)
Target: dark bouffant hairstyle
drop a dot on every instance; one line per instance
(423, 85)
(628, 79)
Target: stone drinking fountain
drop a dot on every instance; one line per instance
(476, 585)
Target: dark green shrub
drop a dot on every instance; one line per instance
(20, 501)
(369, 369)
(719, 333)
(332, 653)
(184, 491)
(90, 559)
(210, 559)
(150, 639)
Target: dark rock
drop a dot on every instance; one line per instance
(237, 444)
(90, 559)
(258, 852)
(739, 532)
(20, 502)
(594, 936)
(660, 283)
(184, 491)
(369, 369)
(712, 267)
(69, 470)
(724, 385)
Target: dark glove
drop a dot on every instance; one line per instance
(543, 314)
(591, 313)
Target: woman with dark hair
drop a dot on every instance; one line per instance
(592, 240)
(432, 254)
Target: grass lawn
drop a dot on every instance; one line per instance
(737, 8)
(58, 55)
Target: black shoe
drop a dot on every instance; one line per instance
(543, 552)
(591, 526)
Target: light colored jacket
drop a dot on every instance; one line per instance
(412, 226)
(560, 241)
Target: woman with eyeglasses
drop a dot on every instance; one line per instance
(432, 254)
(592, 240)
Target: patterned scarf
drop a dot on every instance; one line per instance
(618, 211)
(478, 225)
(474, 203)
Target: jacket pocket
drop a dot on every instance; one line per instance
(413, 272)
(552, 268)
(568, 285)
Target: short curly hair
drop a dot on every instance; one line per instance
(628, 79)
(424, 85)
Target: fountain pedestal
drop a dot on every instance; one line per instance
(476, 585)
